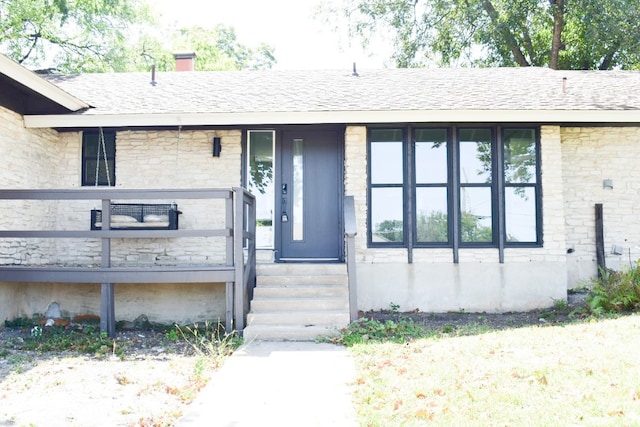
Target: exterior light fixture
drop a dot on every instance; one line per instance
(607, 184)
(217, 146)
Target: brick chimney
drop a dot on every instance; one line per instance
(185, 61)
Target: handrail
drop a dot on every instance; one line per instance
(239, 204)
(245, 220)
(350, 231)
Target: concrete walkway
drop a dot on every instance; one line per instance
(278, 384)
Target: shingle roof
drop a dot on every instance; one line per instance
(373, 90)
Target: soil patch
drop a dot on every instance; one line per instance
(147, 380)
(558, 314)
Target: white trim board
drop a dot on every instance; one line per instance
(331, 117)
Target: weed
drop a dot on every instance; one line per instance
(447, 329)
(615, 292)
(371, 330)
(172, 334)
(56, 338)
(20, 322)
(394, 308)
(560, 305)
(210, 341)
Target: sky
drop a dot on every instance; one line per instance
(301, 41)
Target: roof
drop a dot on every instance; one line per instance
(25, 92)
(336, 96)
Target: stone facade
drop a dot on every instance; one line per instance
(589, 156)
(144, 159)
(574, 161)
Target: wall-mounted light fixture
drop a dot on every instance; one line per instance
(217, 146)
(607, 184)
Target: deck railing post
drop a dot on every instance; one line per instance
(229, 300)
(238, 257)
(107, 297)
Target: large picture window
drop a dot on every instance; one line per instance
(454, 186)
(99, 158)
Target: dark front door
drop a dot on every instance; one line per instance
(310, 202)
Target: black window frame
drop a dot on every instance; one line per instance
(402, 186)
(89, 157)
(498, 188)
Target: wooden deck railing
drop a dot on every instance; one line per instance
(237, 270)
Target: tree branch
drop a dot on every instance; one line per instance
(608, 58)
(506, 34)
(35, 38)
(558, 25)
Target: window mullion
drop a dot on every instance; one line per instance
(499, 183)
(409, 185)
(454, 179)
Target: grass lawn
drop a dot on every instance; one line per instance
(584, 374)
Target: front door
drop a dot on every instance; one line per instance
(308, 197)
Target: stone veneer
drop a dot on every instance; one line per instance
(144, 159)
(574, 161)
(589, 156)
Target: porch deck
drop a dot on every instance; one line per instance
(237, 270)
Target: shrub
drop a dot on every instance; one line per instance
(616, 291)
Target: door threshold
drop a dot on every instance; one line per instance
(309, 260)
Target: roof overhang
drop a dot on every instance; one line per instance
(61, 121)
(31, 80)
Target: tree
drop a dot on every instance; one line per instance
(82, 35)
(216, 49)
(389, 230)
(560, 34)
(113, 36)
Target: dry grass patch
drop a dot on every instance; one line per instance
(583, 374)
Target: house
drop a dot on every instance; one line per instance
(472, 189)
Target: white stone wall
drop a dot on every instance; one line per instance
(529, 278)
(161, 302)
(591, 155)
(28, 159)
(144, 159)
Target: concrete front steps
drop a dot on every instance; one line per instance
(298, 302)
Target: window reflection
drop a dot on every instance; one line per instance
(386, 163)
(475, 156)
(386, 215)
(519, 156)
(260, 183)
(431, 215)
(475, 215)
(520, 214)
(431, 156)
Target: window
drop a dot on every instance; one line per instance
(462, 186)
(386, 192)
(99, 158)
(260, 181)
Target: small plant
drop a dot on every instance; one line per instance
(208, 340)
(447, 329)
(560, 305)
(370, 330)
(57, 338)
(615, 292)
(394, 308)
(172, 334)
(20, 322)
